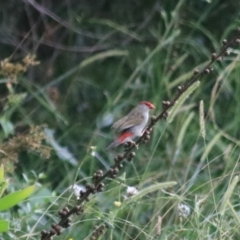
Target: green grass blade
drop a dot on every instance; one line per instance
(183, 129)
(116, 27)
(3, 186)
(181, 100)
(101, 56)
(1, 173)
(228, 194)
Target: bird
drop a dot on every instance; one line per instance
(133, 124)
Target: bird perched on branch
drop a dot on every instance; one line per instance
(133, 124)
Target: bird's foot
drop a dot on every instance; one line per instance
(132, 143)
(129, 144)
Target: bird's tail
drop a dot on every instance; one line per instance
(124, 137)
(113, 144)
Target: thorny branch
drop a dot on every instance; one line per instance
(128, 154)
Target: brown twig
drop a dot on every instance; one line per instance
(128, 155)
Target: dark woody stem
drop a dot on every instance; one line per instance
(128, 155)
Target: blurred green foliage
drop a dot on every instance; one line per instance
(97, 60)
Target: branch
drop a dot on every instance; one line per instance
(99, 176)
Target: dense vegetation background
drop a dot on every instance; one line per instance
(98, 59)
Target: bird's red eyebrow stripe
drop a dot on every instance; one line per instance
(124, 135)
(150, 105)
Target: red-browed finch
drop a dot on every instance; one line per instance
(132, 125)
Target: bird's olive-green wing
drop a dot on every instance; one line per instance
(134, 118)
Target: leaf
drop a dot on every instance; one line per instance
(6, 125)
(4, 225)
(62, 152)
(14, 198)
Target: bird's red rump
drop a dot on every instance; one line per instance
(124, 135)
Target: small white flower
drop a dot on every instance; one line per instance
(131, 191)
(77, 188)
(93, 150)
(183, 210)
